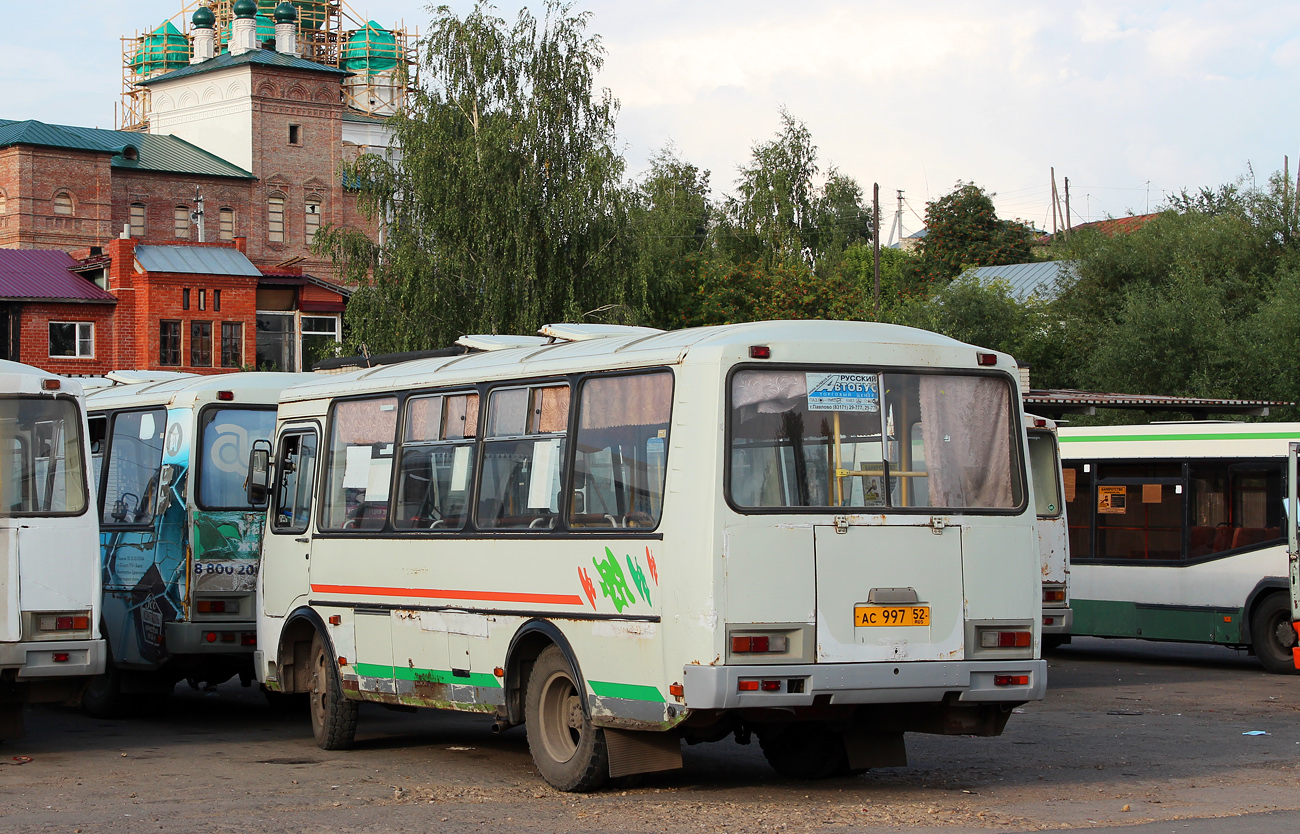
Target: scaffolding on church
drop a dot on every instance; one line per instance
(382, 60)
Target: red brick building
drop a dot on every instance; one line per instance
(243, 152)
(200, 308)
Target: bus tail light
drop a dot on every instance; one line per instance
(1053, 593)
(986, 358)
(759, 643)
(249, 638)
(225, 396)
(1011, 680)
(70, 621)
(771, 686)
(217, 606)
(1005, 639)
(747, 685)
(760, 352)
(51, 384)
(61, 657)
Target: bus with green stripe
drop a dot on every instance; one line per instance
(821, 535)
(1178, 532)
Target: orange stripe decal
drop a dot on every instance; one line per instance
(435, 593)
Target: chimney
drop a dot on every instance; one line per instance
(243, 35)
(205, 35)
(286, 29)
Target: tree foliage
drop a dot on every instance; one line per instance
(962, 230)
(504, 209)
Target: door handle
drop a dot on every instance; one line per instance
(303, 540)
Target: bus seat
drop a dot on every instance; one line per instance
(1222, 539)
(1201, 541)
(1246, 536)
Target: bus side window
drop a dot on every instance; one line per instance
(362, 436)
(437, 457)
(296, 478)
(621, 451)
(98, 441)
(522, 457)
(1077, 486)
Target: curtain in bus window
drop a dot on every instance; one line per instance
(40, 457)
(621, 449)
(363, 435)
(134, 461)
(966, 428)
(227, 436)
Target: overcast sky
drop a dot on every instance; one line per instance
(1130, 100)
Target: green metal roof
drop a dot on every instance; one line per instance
(153, 153)
(261, 57)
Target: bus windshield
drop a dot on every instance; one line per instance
(226, 436)
(41, 470)
(804, 438)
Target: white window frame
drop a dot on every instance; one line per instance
(84, 333)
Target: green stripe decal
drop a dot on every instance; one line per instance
(626, 691)
(1147, 438)
(406, 673)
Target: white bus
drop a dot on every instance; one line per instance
(49, 545)
(1177, 532)
(180, 543)
(818, 532)
(1053, 539)
(1293, 547)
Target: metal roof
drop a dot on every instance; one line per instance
(44, 274)
(1025, 280)
(249, 387)
(152, 153)
(261, 57)
(197, 260)
(1065, 401)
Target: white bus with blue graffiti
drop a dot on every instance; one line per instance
(180, 543)
(820, 534)
(1178, 532)
(49, 545)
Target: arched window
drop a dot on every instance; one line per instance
(3, 202)
(182, 222)
(227, 217)
(137, 220)
(275, 218)
(63, 203)
(312, 219)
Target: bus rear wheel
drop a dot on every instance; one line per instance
(102, 697)
(805, 751)
(569, 752)
(1272, 636)
(333, 717)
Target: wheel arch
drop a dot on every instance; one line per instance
(293, 652)
(532, 638)
(1262, 590)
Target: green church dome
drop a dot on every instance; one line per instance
(162, 50)
(245, 8)
(286, 13)
(369, 50)
(203, 18)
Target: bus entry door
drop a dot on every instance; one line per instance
(889, 593)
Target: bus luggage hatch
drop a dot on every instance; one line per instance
(889, 593)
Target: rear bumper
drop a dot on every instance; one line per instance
(1062, 620)
(192, 638)
(36, 660)
(717, 687)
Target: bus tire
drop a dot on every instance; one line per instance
(102, 697)
(333, 717)
(569, 752)
(805, 751)
(1272, 636)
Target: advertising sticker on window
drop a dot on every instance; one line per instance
(843, 392)
(1112, 499)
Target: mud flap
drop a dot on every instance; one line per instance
(641, 752)
(867, 749)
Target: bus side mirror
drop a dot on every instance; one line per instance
(259, 472)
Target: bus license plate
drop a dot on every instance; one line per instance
(891, 615)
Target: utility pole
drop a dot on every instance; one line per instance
(897, 225)
(875, 238)
(196, 216)
(1056, 201)
(1069, 225)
